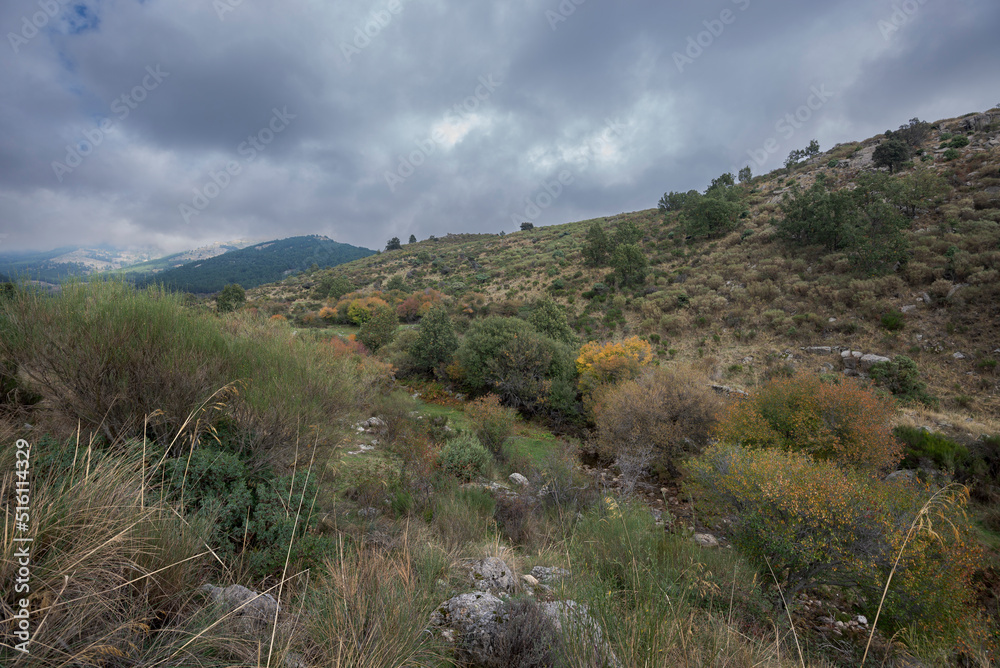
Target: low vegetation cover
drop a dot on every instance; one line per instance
(343, 440)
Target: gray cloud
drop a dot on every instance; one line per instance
(622, 100)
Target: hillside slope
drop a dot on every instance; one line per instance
(747, 303)
(257, 264)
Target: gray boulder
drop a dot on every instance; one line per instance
(473, 618)
(492, 575)
(549, 575)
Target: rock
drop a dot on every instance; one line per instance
(530, 581)
(518, 479)
(958, 356)
(909, 308)
(908, 476)
(549, 575)
(475, 617)
(706, 540)
(255, 610)
(819, 350)
(375, 423)
(861, 619)
(870, 360)
(492, 575)
(476, 620)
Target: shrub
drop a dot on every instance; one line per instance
(436, 341)
(492, 422)
(527, 637)
(815, 523)
(922, 445)
(893, 321)
(380, 328)
(464, 457)
(510, 358)
(846, 422)
(654, 419)
(611, 362)
(901, 377)
(951, 154)
(232, 297)
(515, 517)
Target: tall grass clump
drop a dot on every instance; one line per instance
(370, 610)
(108, 562)
(132, 363)
(662, 600)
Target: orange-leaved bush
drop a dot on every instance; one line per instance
(816, 523)
(846, 421)
(611, 362)
(654, 419)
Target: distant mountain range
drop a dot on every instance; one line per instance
(203, 270)
(254, 265)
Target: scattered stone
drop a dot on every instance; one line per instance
(518, 479)
(572, 618)
(908, 476)
(530, 581)
(706, 540)
(368, 513)
(255, 610)
(861, 619)
(819, 350)
(549, 575)
(492, 575)
(870, 360)
(958, 356)
(909, 308)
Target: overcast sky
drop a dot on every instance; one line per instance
(174, 123)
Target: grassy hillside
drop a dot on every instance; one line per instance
(745, 303)
(254, 265)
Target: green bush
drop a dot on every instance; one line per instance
(902, 378)
(959, 142)
(893, 321)
(465, 457)
(380, 329)
(919, 445)
(231, 298)
(951, 154)
(815, 523)
(492, 422)
(436, 341)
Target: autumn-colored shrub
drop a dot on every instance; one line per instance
(654, 419)
(341, 347)
(611, 362)
(844, 421)
(362, 309)
(815, 523)
(492, 421)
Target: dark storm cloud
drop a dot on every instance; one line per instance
(177, 123)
